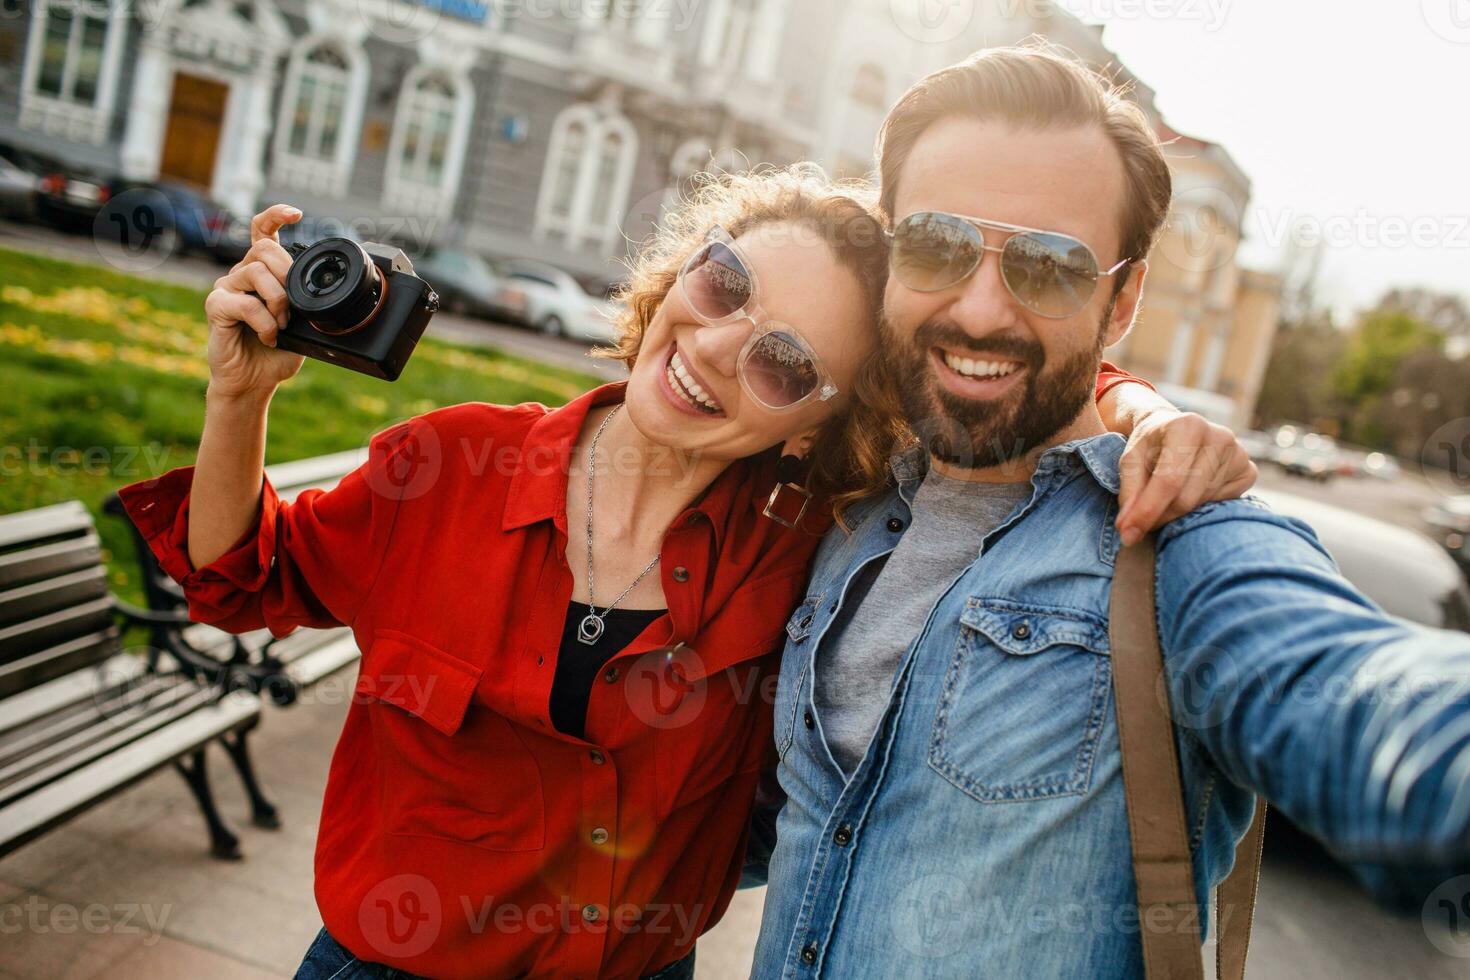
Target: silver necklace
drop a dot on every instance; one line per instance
(591, 627)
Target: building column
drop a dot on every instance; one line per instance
(241, 189)
(148, 110)
(1182, 351)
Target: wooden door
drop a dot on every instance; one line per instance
(195, 118)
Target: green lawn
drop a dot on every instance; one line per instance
(103, 378)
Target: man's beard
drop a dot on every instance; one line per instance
(982, 434)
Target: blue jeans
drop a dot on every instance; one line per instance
(328, 959)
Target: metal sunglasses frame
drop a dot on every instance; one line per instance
(980, 224)
(761, 325)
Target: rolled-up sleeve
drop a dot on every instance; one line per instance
(309, 562)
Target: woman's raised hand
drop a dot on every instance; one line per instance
(247, 308)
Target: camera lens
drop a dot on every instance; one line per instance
(326, 273)
(335, 284)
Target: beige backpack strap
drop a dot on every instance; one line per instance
(1162, 867)
(1235, 900)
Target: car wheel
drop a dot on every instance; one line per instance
(458, 305)
(553, 327)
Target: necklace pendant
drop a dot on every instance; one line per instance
(590, 629)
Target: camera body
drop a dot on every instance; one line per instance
(358, 306)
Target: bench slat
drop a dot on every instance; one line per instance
(23, 639)
(158, 712)
(325, 472)
(107, 709)
(78, 686)
(68, 518)
(74, 654)
(52, 594)
(31, 817)
(48, 560)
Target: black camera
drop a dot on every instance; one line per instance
(356, 305)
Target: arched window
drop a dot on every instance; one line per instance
(321, 112)
(588, 172)
(429, 137)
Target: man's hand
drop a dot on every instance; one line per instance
(1174, 462)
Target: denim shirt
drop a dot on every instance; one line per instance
(984, 833)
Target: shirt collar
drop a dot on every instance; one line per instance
(538, 488)
(1097, 455)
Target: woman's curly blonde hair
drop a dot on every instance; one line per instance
(848, 460)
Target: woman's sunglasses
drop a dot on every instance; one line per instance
(777, 367)
(1050, 274)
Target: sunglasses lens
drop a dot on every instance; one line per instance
(779, 370)
(932, 251)
(716, 282)
(1053, 275)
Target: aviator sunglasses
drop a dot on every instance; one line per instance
(777, 367)
(1051, 274)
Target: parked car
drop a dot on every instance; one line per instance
(1306, 454)
(19, 185)
(1402, 570)
(557, 304)
(467, 283)
(176, 218)
(1449, 521)
(71, 196)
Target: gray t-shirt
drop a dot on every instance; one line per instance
(862, 650)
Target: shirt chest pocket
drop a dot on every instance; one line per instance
(1023, 704)
(445, 769)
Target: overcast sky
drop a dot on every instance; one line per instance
(1354, 116)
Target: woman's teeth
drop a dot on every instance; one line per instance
(683, 382)
(978, 369)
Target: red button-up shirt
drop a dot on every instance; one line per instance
(462, 835)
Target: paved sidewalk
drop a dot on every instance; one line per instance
(128, 891)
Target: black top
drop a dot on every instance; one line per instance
(578, 663)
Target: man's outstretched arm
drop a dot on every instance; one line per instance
(1354, 723)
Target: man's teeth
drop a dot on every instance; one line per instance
(979, 369)
(683, 382)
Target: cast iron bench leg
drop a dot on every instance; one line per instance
(262, 811)
(222, 844)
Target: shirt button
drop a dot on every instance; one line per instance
(843, 837)
(597, 757)
(681, 574)
(895, 525)
(808, 720)
(809, 953)
(591, 913)
(1021, 630)
(599, 836)
(610, 675)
